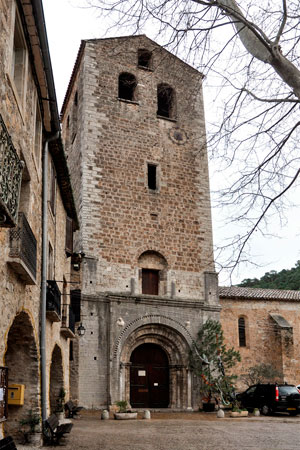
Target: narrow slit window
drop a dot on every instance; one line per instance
(152, 176)
(71, 355)
(242, 332)
(127, 86)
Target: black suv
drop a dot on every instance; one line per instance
(271, 398)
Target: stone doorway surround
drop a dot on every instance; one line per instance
(176, 345)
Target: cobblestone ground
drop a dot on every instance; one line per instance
(189, 431)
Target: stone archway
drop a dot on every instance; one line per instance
(175, 347)
(22, 360)
(153, 269)
(56, 378)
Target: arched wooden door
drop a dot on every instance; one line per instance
(149, 377)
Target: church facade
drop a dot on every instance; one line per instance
(134, 132)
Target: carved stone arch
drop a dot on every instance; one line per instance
(139, 251)
(175, 346)
(174, 340)
(150, 319)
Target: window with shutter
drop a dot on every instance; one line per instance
(52, 186)
(69, 236)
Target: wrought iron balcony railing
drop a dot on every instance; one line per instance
(11, 168)
(23, 250)
(53, 301)
(68, 322)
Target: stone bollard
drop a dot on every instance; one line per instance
(147, 415)
(105, 414)
(256, 412)
(220, 414)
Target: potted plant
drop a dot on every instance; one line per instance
(60, 401)
(31, 429)
(125, 412)
(207, 404)
(237, 412)
(256, 412)
(211, 361)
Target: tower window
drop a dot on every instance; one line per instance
(144, 58)
(19, 59)
(152, 178)
(127, 86)
(165, 101)
(150, 281)
(242, 332)
(71, 354)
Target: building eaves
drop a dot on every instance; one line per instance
(72, 79)
(38, 41)
(64, 180)
(245, 293)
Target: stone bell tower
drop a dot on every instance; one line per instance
(134, 132)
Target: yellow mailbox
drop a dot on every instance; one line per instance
(16, 394)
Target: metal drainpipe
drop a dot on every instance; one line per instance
(44, 274)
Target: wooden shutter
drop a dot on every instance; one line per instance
(150, 280)
(75, 303)
(69, 236)
(52, 188)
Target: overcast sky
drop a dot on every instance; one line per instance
(67, 25)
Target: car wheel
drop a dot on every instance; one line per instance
(265, 410)
(293, 413)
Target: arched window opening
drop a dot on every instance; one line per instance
(166, 101)
(153, 268)
(242, 332)
(127, 86)
(144, 58)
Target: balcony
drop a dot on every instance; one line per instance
(68, 322)
(11, 168)
(53, 301)
(23, 250)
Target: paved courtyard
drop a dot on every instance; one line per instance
(189, 431)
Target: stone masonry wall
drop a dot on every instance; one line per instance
(122, 218)
(18, 299)
(265, 341)
(106, 319)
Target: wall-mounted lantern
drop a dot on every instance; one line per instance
(81, 330)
